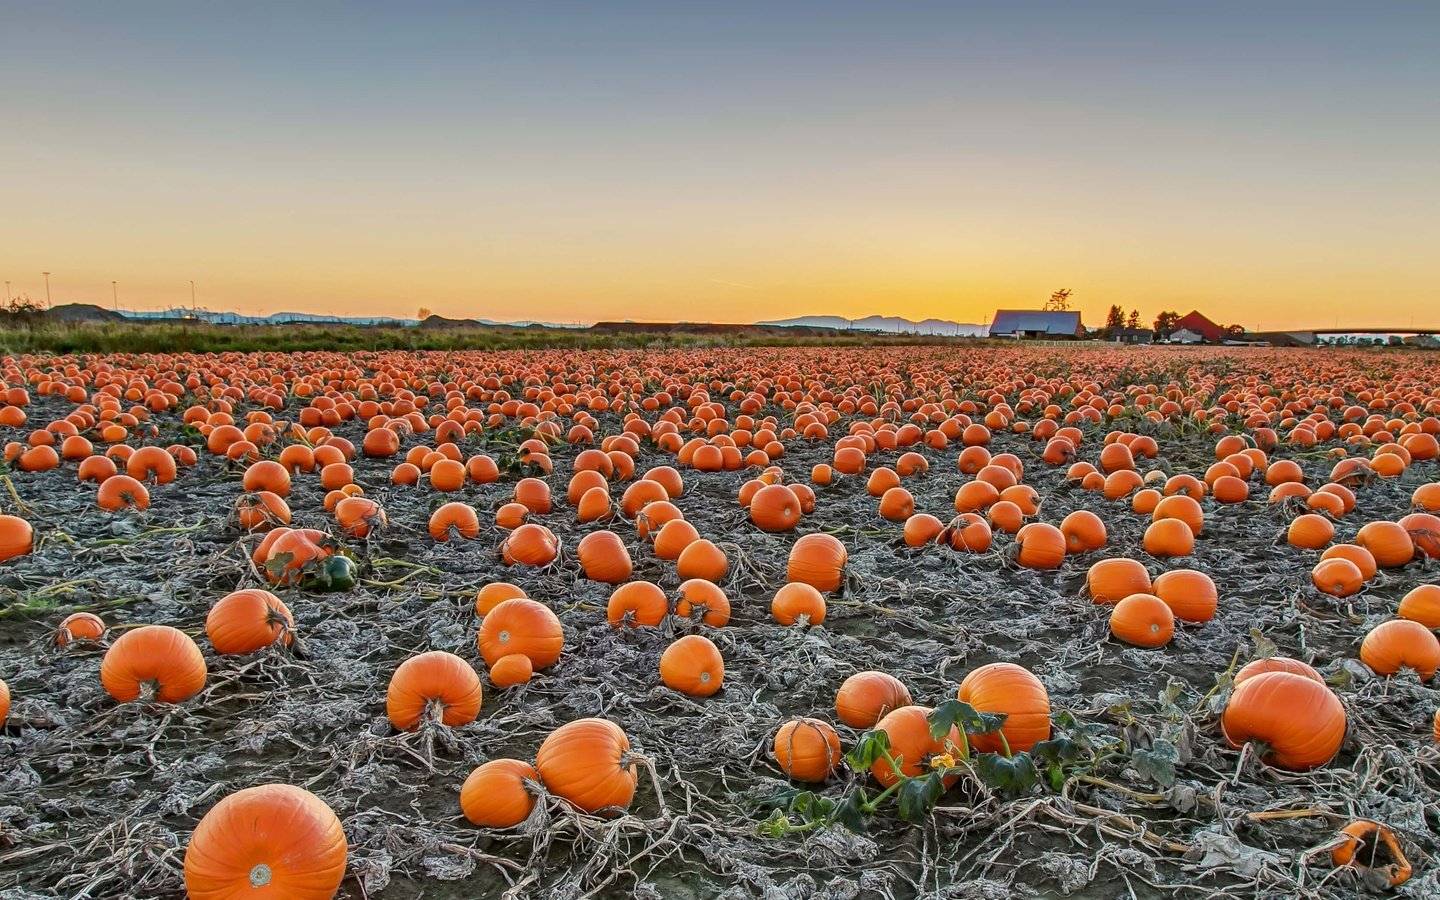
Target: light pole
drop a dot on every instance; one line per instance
(115, 293)
(192, 295)
(47, 288)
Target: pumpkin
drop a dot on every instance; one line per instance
(520, 625)
(1112, 580)
(912, 745)
(1337, 577)
(798, 602)
(673, 537)
(1424, 531)
(1388, 542)
(1365, 844)
(496, 795)
(122, 492)
(153, 661)
(81, 626)
(266, 475)
(493, 594)
(1007, 688)
(274, 840)
(358, 517)
(806, 750)
(533, 494)
(1006, 517)
(817, 560)
(4, 702)
(1422, 604)
(1143, 620)
(1277, 664)
(1169, 537)
(865, 697)
(692, 665)
(704, 599)
(1191, 595)
(261, 510)
(921, 529)
(637, 603)
(603, 557)
(1310, 532)
(248, 620)
(641, 494)
(454, 519)
(1182, 507)
(667, 477)
(588, 763)
(967, 532)
(1084, 531)
(512, 670)
(531, 545)
(897, 505)
(1355, 554)
(1298, 719)
(438, 685)
(594, 506)
(1041, 546)
(774, 508)
(1399, 644)
(702, 559)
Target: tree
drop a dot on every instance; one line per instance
(1115, 318)
(1134, 321)
(423, 313)
(1059, 301)
(1166, 322)
(1234, 330)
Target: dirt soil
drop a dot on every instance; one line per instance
(98, 799)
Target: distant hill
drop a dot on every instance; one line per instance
(82, 312)
(886, 324)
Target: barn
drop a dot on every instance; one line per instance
(1036, 323)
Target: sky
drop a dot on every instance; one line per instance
(1273, 164)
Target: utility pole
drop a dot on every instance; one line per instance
(192, 295)
(115, 293)
(47, 289)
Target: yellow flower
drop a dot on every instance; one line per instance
(942, 761)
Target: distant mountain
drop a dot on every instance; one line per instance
(887, 324)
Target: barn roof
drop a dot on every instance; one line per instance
(1012, 321)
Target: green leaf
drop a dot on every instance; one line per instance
(781, 799)
(1156, 763)
(1058, 751)
(961, 715)
(918, 796)
(869, 749)
(850, 811)
(1013, 776)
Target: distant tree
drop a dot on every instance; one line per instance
(1234, 330)
(1115, 318)
(1134, 320)
(423, 313)
(1166, 322)
(1059, 301)
(22, 311)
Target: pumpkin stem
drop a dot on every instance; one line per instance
(260, 875)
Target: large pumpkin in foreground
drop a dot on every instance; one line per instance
(1299, 719)
(587, 763)
(273, 841)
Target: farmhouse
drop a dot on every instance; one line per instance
(1196, 322)
(1036, 323)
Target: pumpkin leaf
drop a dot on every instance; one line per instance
(869, 749)
(1264, 647)
(918, 796)
(1156, 763)
(961, 715)
(1058, 751)
(813, 807)
(1013, 776)
(850, 811)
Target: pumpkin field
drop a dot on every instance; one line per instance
(788, 622)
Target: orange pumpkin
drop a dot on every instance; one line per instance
(588, 763)
(1112, 580)
(865, 697)
(639, 603)
(798, 602)
(530, 545)
(274, 840)
(438, 685)
(1191, 595)
(806, 750)
(1401, 644)
(604, 558)
(1007, 688)
(1422, 604)
(1040, 545)
(496, 794)
(247, 620)
(1298, 719)
(1388, 542)
(912, 745)
(817, 560)
(153, 661)
(521, 625)
(693, 665)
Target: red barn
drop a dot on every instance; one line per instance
(1197, 323)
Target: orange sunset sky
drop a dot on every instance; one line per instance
(1271, 164)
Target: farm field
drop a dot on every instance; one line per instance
(1119, 652)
